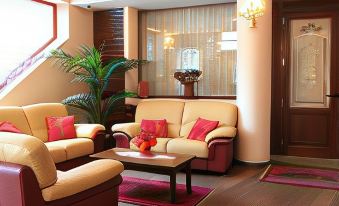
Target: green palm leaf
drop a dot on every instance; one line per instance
(85, 102)
(87, 67)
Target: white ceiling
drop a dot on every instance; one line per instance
(97, 5)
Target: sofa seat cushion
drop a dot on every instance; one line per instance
(82, 178)
(187, 146)
(58, 153)
(74, 148)
(161, 145)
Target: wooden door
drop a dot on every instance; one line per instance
(309, 115)
(305, 89)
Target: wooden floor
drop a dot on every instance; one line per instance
(241, 187)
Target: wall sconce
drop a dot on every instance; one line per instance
(168, 42)
(251, 10)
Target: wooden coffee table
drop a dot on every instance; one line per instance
(154, 162)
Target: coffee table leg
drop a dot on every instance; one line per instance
(173, 181)
(188, 178)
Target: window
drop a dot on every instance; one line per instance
(25, 36)
(197, 38)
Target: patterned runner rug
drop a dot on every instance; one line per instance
(301, 176)
(157, 193)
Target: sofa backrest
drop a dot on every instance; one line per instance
(16, 116)
(30, 151)
(223, 112)
(162, 109)
(37, 113)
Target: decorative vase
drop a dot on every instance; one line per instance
(143, 89)
(188, 78)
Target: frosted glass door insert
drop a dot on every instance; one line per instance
(310, 43)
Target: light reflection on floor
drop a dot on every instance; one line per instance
(144, 155)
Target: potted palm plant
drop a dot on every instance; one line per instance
(88, 67)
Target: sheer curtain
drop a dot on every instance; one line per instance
(166, 33)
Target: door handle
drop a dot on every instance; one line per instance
(333, 95)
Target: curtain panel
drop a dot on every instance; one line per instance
(167, 36)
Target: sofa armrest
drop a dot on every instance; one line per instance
(219, 144)
(88, 130)
(220, 154)
(19, 185)
(82, 178)
(221, 132)
(122, 140)
(130, 129)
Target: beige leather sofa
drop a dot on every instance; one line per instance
(28, 176)
(213, 154)
(66, 153)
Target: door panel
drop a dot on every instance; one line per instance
(310, 53)
(309, 117)
(303, 130)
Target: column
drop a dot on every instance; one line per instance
(254, 87)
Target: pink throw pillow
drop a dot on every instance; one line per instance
(9, 127)
(201, 128)
(156, 127)
(60, 128)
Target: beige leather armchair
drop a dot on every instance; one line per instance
(28, 176)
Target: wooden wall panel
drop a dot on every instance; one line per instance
(109, 34)
(303, 125)
(109, 30)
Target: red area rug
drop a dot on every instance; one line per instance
(157, 193)
(299, 176)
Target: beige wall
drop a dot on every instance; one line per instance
(254, 87)
(46, 83)
(131, 47)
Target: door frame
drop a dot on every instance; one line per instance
(283, 11)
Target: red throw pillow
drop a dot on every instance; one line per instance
(60, 128)
(156, 127)
(9, 127)
(201, 128)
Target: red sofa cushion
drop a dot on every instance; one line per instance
(201, 128)
(60, 128)
(156, 127)
(9, 127)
